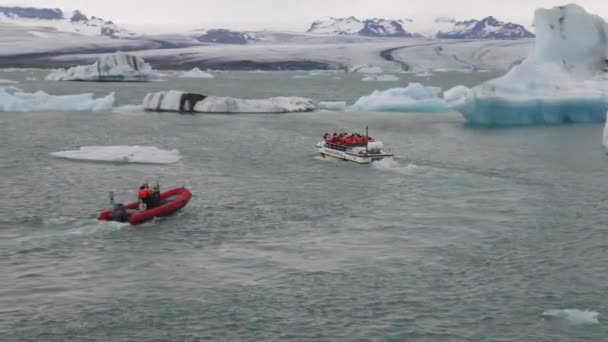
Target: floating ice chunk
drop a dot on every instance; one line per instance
(337, 106)
(128, 109)
(414, 98)
(115, 67)
(381, 78)
(456, 96)
(15, 100)
(196, 73)
(366, 69)
(564, 79)
(4, 81)
(177, 101)
(215, 104)
(424, 74)
(574, 316)
(123, 154)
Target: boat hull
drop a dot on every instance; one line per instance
(175, 199)
(331, 154)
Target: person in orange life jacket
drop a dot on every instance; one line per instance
(144, 195)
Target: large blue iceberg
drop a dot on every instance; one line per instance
(564, 79)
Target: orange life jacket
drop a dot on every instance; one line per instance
(144, 193)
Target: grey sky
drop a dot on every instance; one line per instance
(292, 14)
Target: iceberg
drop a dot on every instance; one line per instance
(564, 79)
(178, 101)
(119, 66)
(122, 154)
(196, 73)
(413, 98)
(13, 99)
(381, 78)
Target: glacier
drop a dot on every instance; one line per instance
(178, 101)
(563, 80)
(413, 98)
(119, 66)
(13, 99)
(122, 154)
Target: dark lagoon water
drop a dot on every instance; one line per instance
(467, 235)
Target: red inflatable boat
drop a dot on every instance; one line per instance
(170, 202)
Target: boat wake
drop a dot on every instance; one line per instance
(392, 165)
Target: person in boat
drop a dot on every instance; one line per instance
(144, 196)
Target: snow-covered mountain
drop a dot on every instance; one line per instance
(352, 26)
(486, 28)
(443, 28)
(223, 36)
(75, 22)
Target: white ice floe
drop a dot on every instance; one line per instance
(337, 106)
(414, 98)
(196, 73)
(4, 81)
(177, 101)
(424, 74)
(366, 69)
(13, 99)
(573, 316)
(380, 78)
(564, 79)
(119, 66)
(122, 154)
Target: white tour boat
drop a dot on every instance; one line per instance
(354, 148)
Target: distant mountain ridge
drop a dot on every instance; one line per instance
(32, 13)
(487, 28)
(442, 28)
(375, 27)
(76, 21)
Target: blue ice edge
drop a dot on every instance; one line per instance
(496, 111)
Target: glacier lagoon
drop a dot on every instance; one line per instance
(469, 234)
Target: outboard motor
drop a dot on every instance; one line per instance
(119, 213)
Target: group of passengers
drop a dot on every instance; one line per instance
(346, 139)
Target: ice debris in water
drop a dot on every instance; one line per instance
(119, 66)
(564, 79)
(13, 99)
(366, 69)
(337, 106)
(380, 78)
(574, 316)
(413, 98)
(122, 154)
(196, 73)
(178, 101)
(4, 81)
